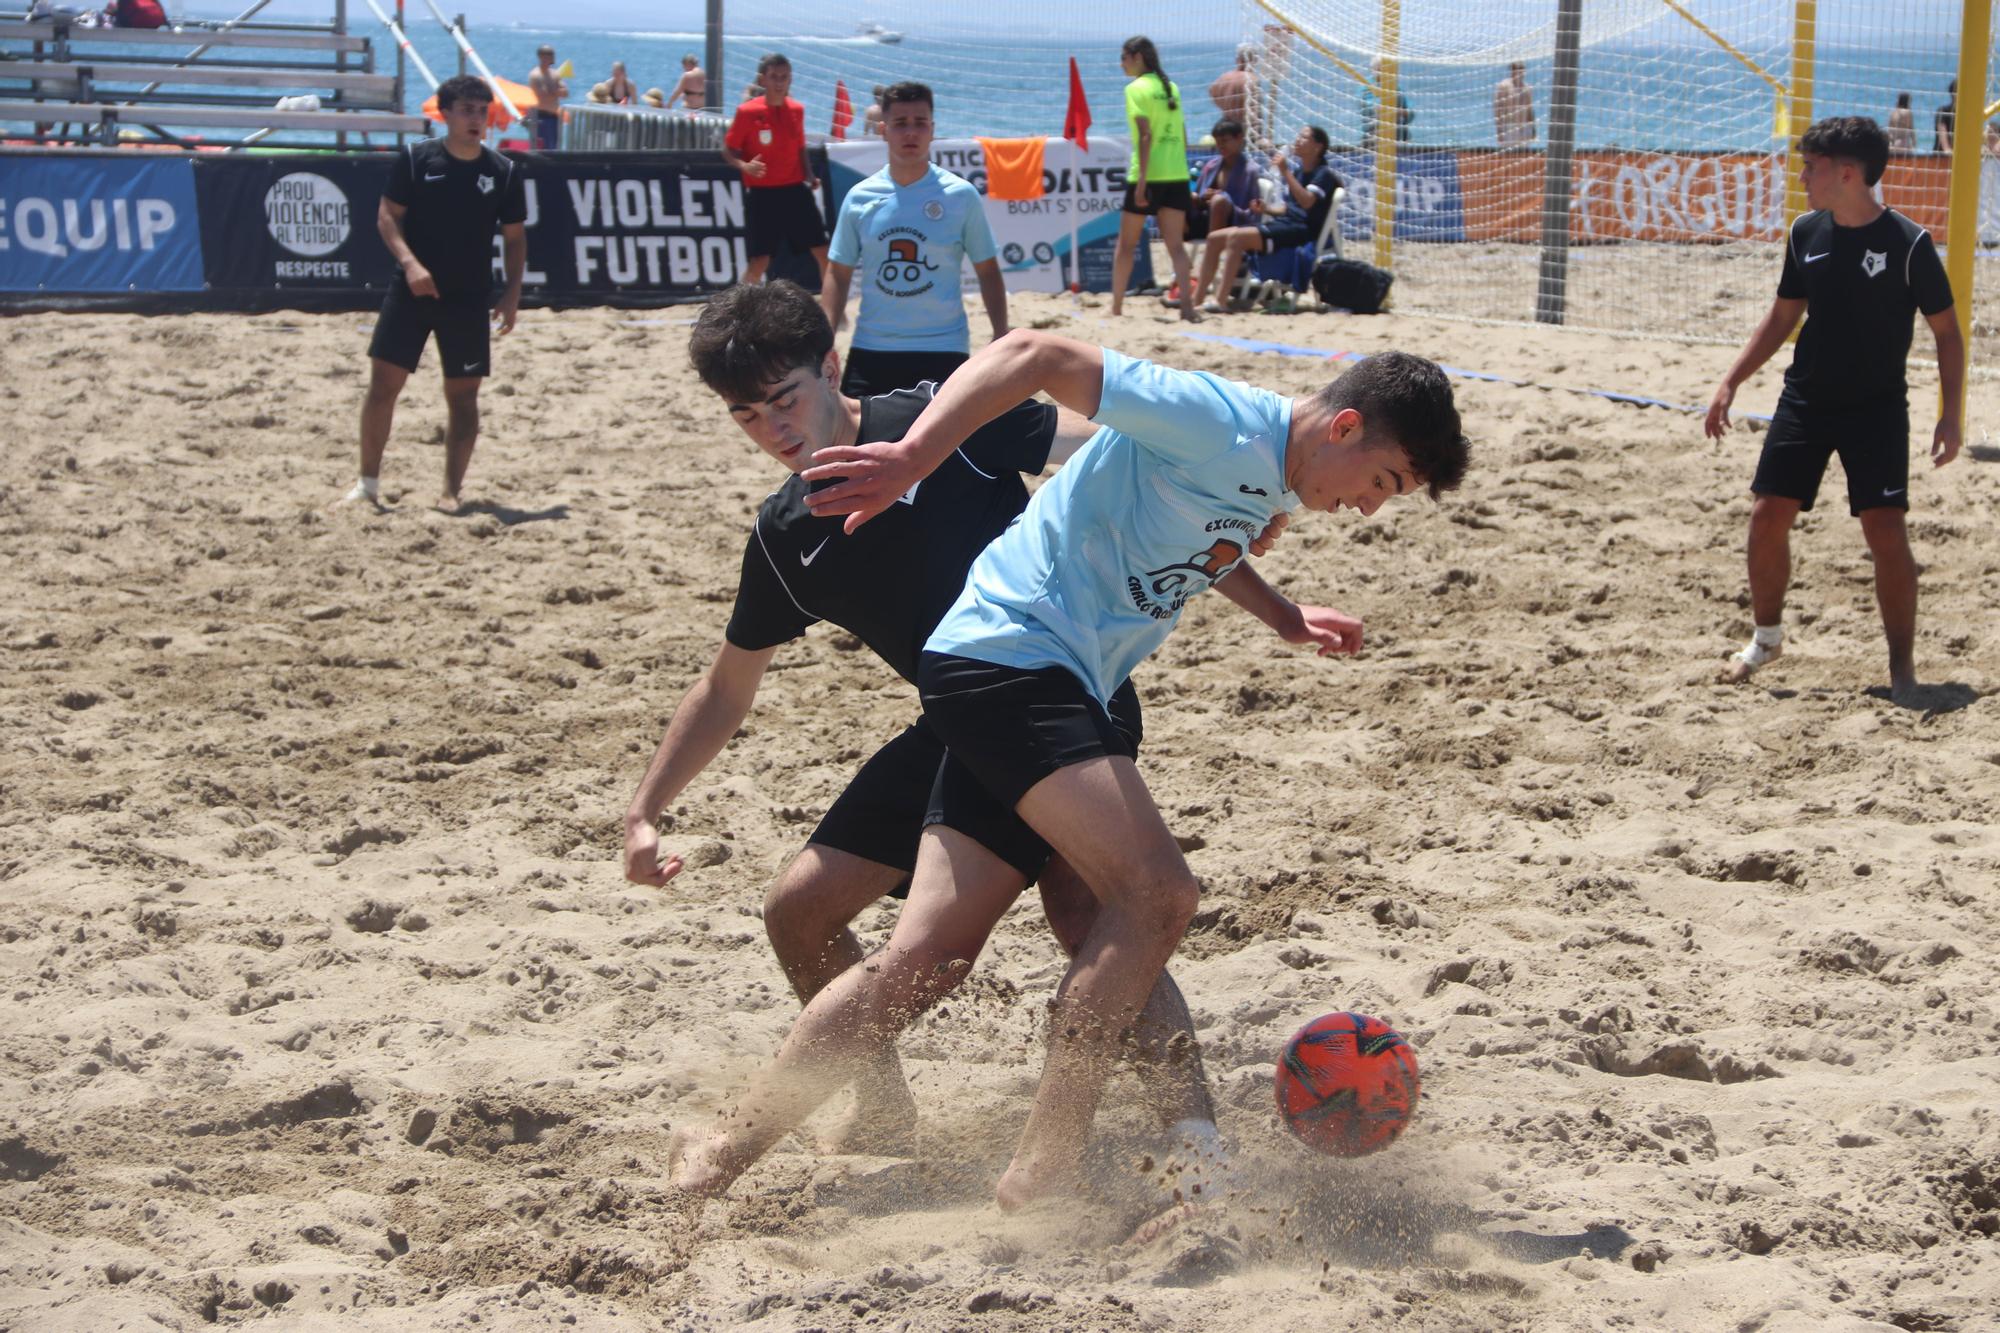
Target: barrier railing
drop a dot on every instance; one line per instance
(598, 129)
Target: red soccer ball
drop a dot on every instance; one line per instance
(1347, 1084)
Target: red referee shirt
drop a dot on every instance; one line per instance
(775, 133)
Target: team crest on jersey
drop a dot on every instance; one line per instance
(1164, 591)
(933, 210)
(905, 272)
(1873, 262)
(486, 185)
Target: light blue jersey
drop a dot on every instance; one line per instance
(904, 243)
(1163, 501)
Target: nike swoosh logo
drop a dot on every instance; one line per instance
(472, 365)
(438, 177)
(1254, 490)
(1821, 255)
(806, 558)
(1898, 491)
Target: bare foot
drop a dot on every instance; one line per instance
(883, 1123)
(1734, 672)
(361, 495)
(447, 503)
(1162, 1224)
(705, 1164)
(1748, 661)
(1025, 1184)
(1906, 693)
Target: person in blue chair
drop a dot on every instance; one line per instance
(1295, 219)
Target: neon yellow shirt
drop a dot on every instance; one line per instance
(1147, 96)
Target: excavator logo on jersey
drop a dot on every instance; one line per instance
(1164, 591)
(905, 272)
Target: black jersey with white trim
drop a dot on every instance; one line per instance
(891, 581)
(454, 208)
(1862, 287)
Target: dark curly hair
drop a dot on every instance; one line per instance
(748, 338)
(1407, 399)
(1857, 138)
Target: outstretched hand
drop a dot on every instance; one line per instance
(643, 863)
(870, 478)
(1335, 632)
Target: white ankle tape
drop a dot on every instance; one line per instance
(1768, 636)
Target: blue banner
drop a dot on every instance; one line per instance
(1430, 206)
(106, 223)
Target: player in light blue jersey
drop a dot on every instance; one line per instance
(905, 230)
(1161, 504)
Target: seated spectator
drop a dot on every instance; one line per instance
(1295, 219)
(1226, 190)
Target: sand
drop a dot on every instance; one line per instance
(327, 999)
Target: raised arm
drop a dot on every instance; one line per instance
(998, 376)
(708, 715)
(1777, 325)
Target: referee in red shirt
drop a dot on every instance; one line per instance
(767, 143)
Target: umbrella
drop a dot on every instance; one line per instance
(496, 116)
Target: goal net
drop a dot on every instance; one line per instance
(1687, 113)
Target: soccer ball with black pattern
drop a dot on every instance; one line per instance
(1347, 1084)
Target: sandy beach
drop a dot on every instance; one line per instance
(328, 1001)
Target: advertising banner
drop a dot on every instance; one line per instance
(102, 224)
(1080, 189)
(1430, 206)
(304, 222)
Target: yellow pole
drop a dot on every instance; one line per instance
(1388, 125)
(1967, 142)
(1805, 16)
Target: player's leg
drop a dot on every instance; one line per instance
(1895, 592)
(465, 345)
(753, 269)
(395, 348)
(959, 892)
(461, 434)
(1173, 228)
(1099, 816)
(1787, 481)
(1131, 226)
(1211, 254)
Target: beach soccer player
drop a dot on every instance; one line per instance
(1858, 273)
(905, 230)
(767, 351)
(1020, 679)
(438, 213)
(766, 141)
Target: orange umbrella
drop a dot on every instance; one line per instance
(497, 116)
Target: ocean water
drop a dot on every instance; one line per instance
(1678, 96)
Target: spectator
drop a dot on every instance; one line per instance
(1226, 191)
(599, 94)
(1371, 111)
(692, 91)
(872, 118)
(545, 117)
(619, 86)
(1294, 220)
(1231, 90)
(1902, 126)
(656, 99)
(767, 143)
(137, 14)
(1945, 123)
(1157, 179)
(1514, 109)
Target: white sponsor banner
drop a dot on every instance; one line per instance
(1082, 193)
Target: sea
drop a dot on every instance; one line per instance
(1678, 96)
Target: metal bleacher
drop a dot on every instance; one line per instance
(68, 83)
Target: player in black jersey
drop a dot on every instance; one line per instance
(767, 351)
(1858, 272)
(438, 212)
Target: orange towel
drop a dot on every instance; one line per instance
(1013, 167)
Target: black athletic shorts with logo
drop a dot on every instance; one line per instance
(787, 213)
(880, 816)
(1161, 197)
(1007, 728)
(1873, 442)
(463, 325)
(870, 373)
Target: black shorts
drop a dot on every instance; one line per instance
(1197, 223)
(1873, 442)
(1007, 728)
(870, 372)
(785, 214)
(463, 325)
(880, 816)
(1160, 197)
(1284, 234)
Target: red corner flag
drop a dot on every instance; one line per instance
(843, 109)
(1076, 121)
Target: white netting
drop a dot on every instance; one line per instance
(1683, 113)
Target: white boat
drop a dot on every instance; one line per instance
(875, 32)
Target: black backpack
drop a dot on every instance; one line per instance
(1351, 284)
